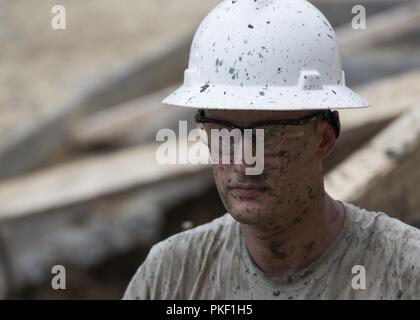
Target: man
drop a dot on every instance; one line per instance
(275, 65)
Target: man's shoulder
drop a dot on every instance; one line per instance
(389, 246)
(166, 272)
(382, 227)
(200, 239)
(388, 239)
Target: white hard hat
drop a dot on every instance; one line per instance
(265, 55)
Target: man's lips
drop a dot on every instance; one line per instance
(247, 190)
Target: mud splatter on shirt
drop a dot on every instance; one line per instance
(212, 262)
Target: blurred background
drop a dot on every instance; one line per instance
(79, 111)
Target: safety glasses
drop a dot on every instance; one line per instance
(200, 118)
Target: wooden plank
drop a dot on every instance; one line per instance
(34, 119)
(85, 180)
(135, 121)
(33, 140)
(85, 234)
(368, 166)
(389, 98)
(398, 192)
(86, 211)
(381, 27)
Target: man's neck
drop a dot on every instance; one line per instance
(299, 243)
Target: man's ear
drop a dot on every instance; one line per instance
(328, 138)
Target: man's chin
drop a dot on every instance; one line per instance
(247, 212)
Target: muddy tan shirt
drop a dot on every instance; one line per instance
(212, 262)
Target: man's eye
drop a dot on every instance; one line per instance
(294, 131)
(216, 126)
(271, 130)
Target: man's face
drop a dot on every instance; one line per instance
(291, 161)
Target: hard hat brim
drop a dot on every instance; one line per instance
(271, 98)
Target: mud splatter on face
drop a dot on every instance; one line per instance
(275, 250)
(289, 163)
(297, 220)
(308, 248)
